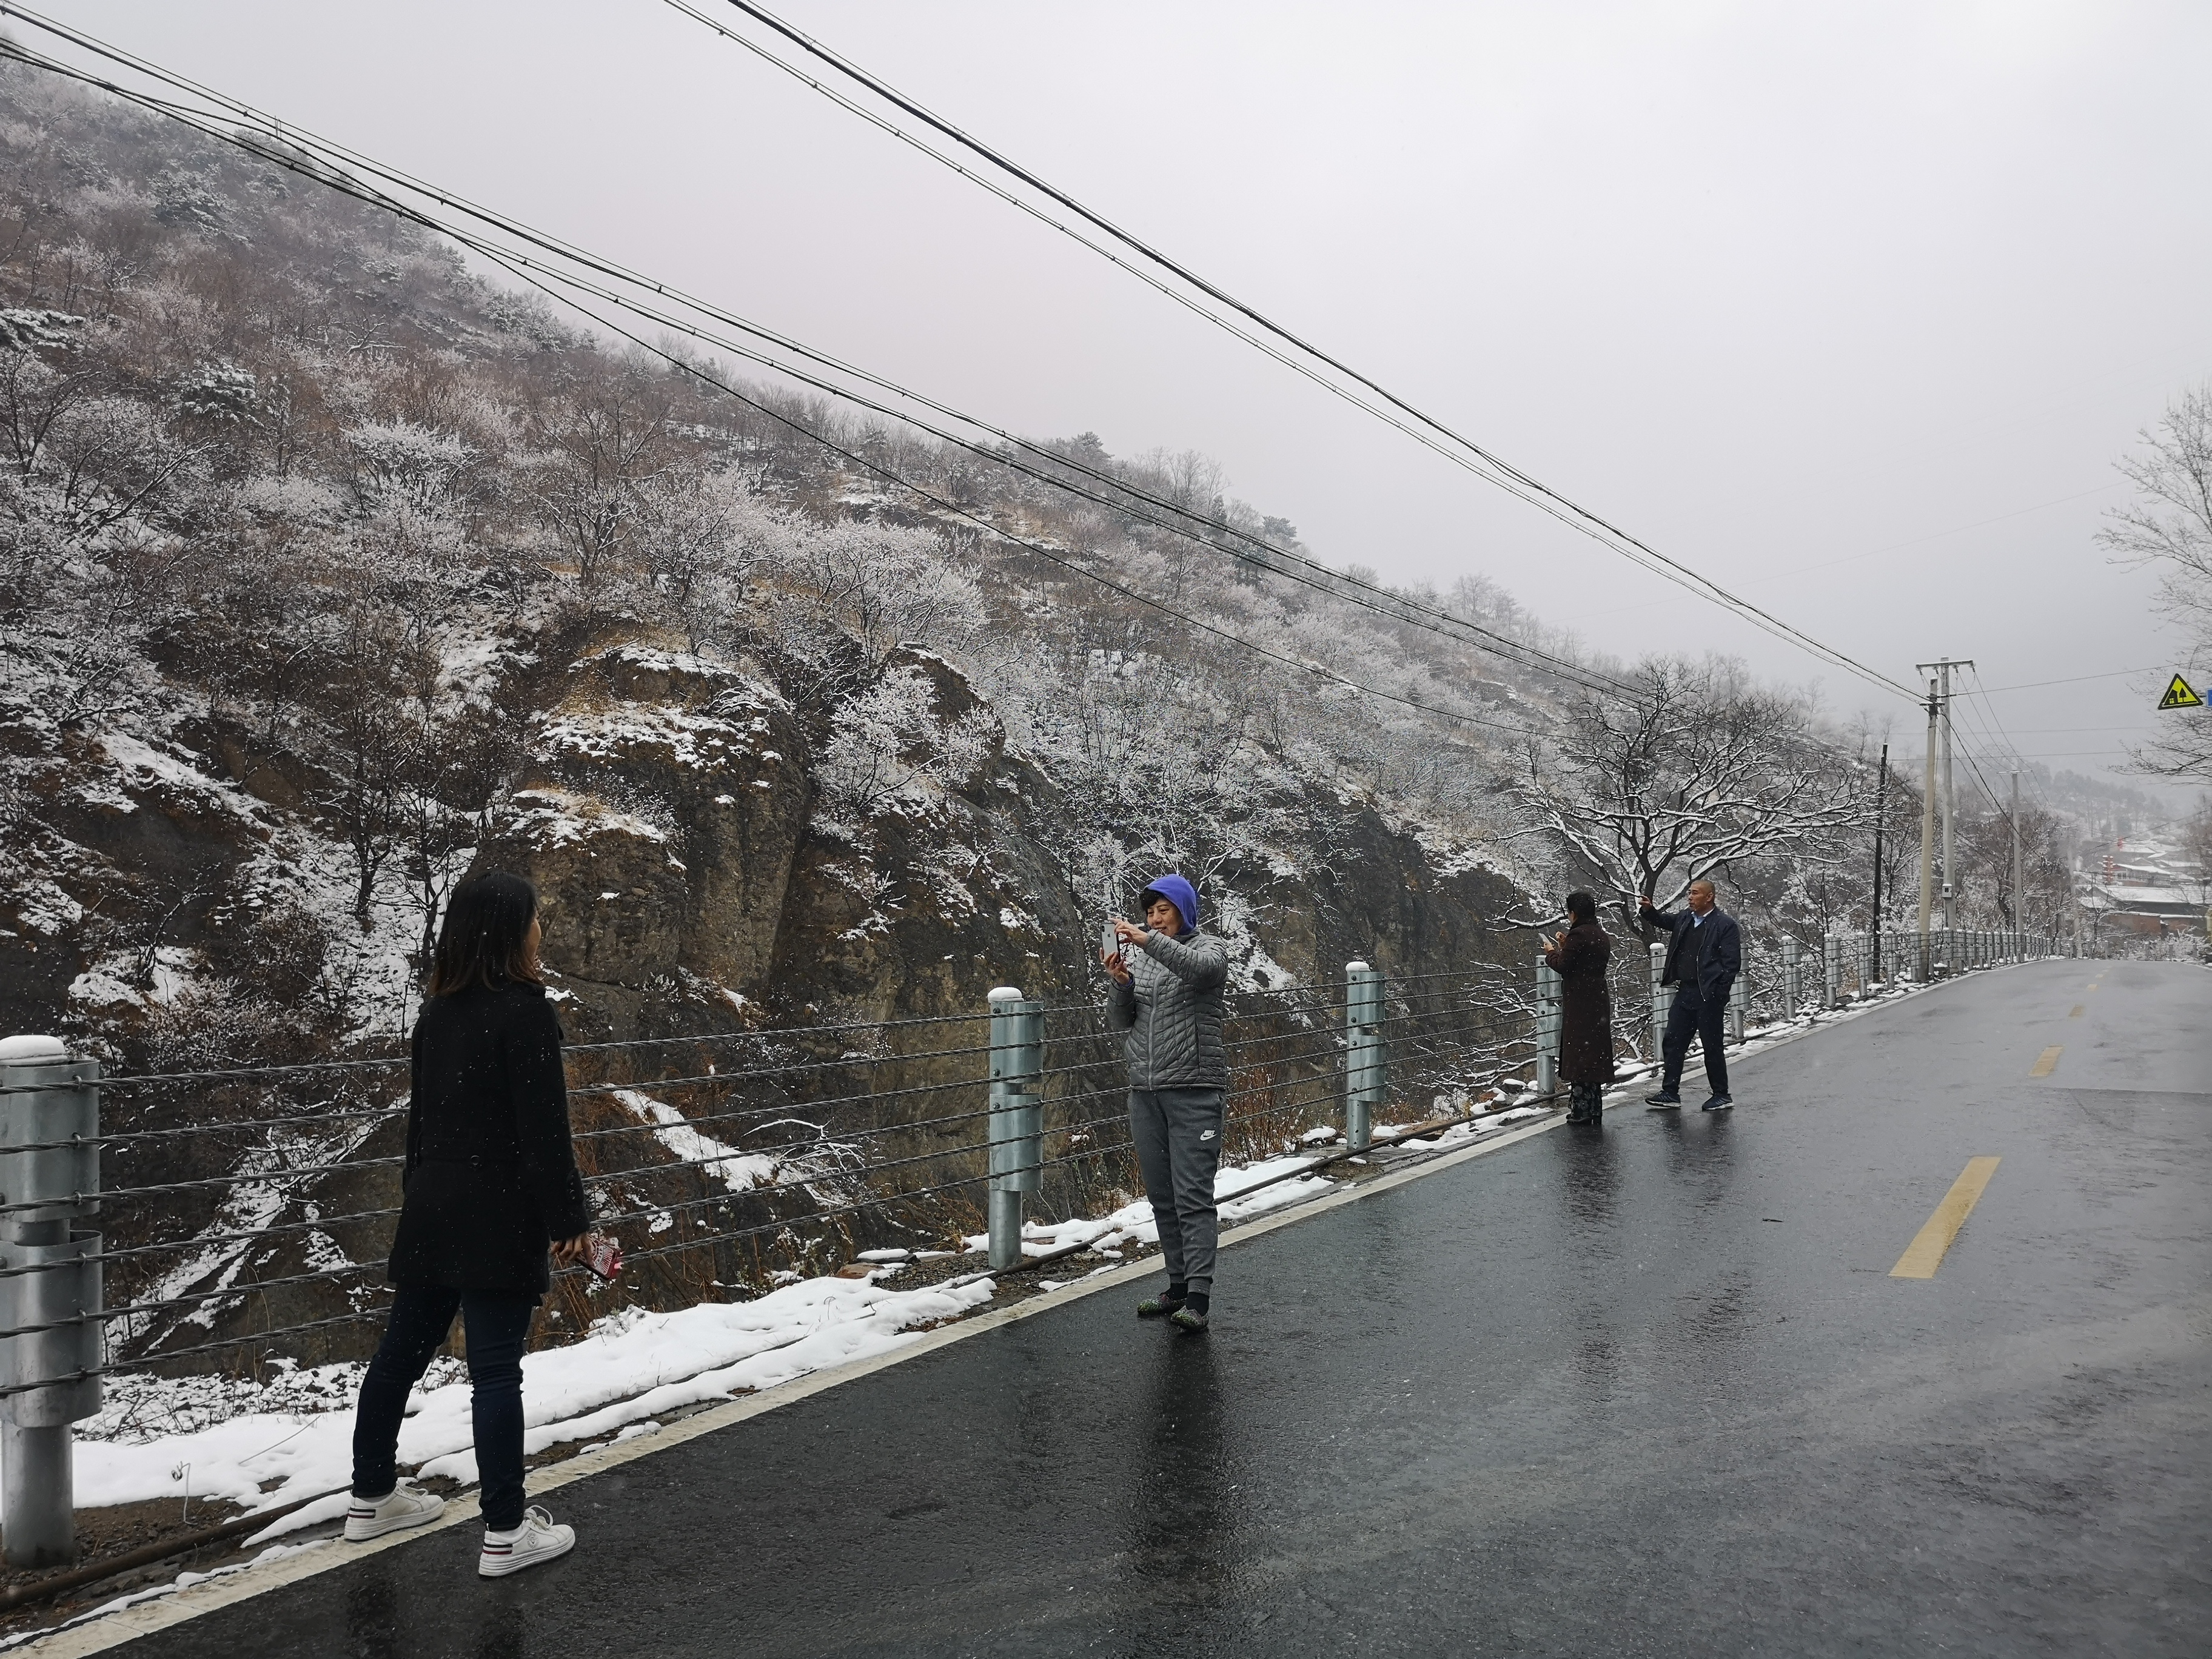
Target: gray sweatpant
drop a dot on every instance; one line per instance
(1178, 1136)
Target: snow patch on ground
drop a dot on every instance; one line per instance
(264, 1446)
(183, 1581)
(1132, 1224)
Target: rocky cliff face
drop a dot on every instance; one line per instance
(668, 808)
(660, 814)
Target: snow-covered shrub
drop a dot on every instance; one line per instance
(888, 750)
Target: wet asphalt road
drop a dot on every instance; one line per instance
(1647, 1392)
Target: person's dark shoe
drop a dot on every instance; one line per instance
(1665, 1101)
(1190, 1320)
(1158, 1307)
(1575, 1114)
(1719, 1104)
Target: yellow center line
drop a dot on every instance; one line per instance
(2047, 1061)
(2079, 1009)
(1926, 1253)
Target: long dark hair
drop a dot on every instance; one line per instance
(1581, 907)
(485, 937)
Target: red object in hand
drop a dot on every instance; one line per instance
(603, 1257)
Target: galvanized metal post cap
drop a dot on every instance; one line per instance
(1006, 993)
(1357, 968)
(32, 1048)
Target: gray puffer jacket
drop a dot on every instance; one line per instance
(1172, 1011)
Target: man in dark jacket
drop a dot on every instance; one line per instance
(1704, 953)
(1166, 1000)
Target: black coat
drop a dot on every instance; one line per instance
(1724, 951)
(491, 1179)
(1585, 1004)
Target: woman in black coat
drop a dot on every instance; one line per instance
(1578, 955)
(490, 1182)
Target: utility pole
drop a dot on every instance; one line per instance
(1941, 695)
(1928, 834)
(1881, 805)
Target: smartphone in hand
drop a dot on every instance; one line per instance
(1109, 941)
(603, 1257)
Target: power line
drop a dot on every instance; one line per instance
(2077, 679)
(1467, 452)
(1305, 570)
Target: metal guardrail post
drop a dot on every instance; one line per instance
(55, 1369)
(1017, 1117)
(1793, 976)
(1547, 1030)
(1740, 998)
(1363, 1053)
(1831, 971)
(1658, 997)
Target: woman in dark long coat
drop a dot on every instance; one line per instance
(1578, 955)
(490, 1183)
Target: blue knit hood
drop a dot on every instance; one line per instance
(1178, 892)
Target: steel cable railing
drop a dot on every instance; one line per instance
(837, 1163)
(1302, 1044)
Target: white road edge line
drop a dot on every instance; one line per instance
(127, 1625)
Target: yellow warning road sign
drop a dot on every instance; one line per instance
(2180, 694)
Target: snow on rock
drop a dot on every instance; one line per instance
(554, 818)
(735, 1169)
(145, 767)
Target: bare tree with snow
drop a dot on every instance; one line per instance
(1700, 771)
(2169, 525)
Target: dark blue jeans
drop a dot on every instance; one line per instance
(1689, 1017)
(498, 1326)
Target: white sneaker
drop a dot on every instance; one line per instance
(536, 1540)
(406, 1505)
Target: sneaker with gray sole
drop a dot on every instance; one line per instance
(406, 1505)
(1187, 1320)
(538, 1539)
(1157, 1306)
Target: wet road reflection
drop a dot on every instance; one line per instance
(1182, 1508)
(1590, 1170)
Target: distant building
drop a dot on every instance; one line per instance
(2143, 886)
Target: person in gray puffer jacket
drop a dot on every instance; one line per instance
(1166, 1000)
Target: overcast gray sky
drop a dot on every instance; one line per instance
(1848, 305)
